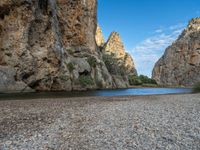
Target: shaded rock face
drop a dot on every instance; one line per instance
(48, 44)
(7, 81)
(180, 65)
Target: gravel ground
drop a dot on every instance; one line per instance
(102, 123)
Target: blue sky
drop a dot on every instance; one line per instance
(146, 27)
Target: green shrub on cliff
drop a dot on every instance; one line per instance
(147, 80)
(113, 65)
(134, 80)
(141, 80)
(196, 88)
(92, 61)
(70, 66)
(86, 80)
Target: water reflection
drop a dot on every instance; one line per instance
(118, 92)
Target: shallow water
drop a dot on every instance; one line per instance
(118, 92)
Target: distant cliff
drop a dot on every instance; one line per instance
(114, 46)
(180, 65)
(119, 63)
(49, 45)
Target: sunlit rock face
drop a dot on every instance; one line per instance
(115, 46)
(118, 62)
(180, 65)
(99, 37)
(55, 45)
(50, 45)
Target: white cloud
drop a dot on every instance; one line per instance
(151, 49)
(159, 31)
(177, 26)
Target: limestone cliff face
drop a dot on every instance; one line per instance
(50, 45)
(119, 63)
(99, 37)
(115, 47)
(180, 65)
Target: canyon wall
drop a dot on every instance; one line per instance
(50, 45)
(180, 64)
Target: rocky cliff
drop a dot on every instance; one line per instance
(180, 65)
(50, 45)
(114, 46)
(119, 63)
(99, 37)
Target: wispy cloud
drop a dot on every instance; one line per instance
(147, 52)
(177, 26)
(158, 31)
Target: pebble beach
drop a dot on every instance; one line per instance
(159, 122)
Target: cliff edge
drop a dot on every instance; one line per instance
(180, 64)
(50, 45)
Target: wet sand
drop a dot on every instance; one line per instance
(102, 123)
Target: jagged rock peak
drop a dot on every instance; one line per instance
(99, 37)
(180, 64)
(115, 45)
(194, 24)
(119, 63)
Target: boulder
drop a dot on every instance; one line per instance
(8, 82)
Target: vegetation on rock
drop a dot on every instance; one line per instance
(86, 80)
(134, 80)
(70, 66)
(147, 80)
(64, 77)
(141, 80)
(196, 88)
(112, 65)
(92, 61)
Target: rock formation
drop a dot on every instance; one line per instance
(114, 46)
(50, 45)
(99, 37)
(180, 65)
(119, 63)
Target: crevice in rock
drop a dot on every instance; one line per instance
(37, 31)
(46, 19)
(25, 76)
(4, 10)
(34, 84)
(43, 6)
(85, 73)
(55, 26)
